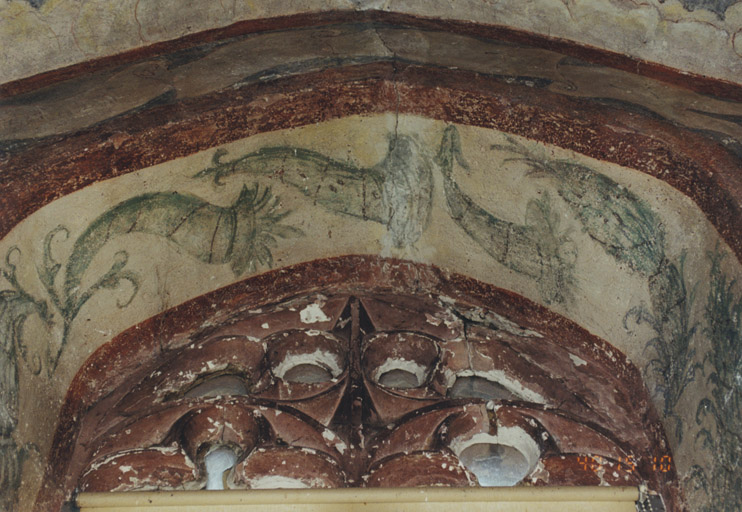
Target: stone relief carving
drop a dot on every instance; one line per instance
(344, 391)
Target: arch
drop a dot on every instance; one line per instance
(129, 405)
(431, 81)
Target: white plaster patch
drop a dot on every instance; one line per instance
(412, 367)
(312, 314)
(277, 482)
(330, 437)
(319, 358)
(499, 322)
(577, 361)
(500, 378)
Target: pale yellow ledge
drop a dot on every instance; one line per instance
(502, 499)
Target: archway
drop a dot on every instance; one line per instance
(358, 372)
(600, 186)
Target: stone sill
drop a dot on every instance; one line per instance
(502, 499)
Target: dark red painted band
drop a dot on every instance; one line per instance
(691, 163)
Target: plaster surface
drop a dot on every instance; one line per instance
(41, 36)
(599, 186)
(141, 243)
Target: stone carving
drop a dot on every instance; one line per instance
(629, 231)
(241, 234)
(343, 391)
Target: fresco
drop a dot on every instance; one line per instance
(716, 6)
(199, 70)
(589, 239)
(674, 364)
(14, 308)
(396, 192)
(537, 249)
(719, 413)
(66, 32)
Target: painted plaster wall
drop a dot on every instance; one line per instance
(263, 57)
(621, 253)
(703, 37)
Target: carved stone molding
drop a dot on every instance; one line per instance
(358, 371)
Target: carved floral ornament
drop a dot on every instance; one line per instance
(372, 388)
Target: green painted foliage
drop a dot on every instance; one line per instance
(616, 218)
(673, 366)
(241, 235)
(723, 435)
(537, 249)
(629, 231)
(16, 306)
(396, 192)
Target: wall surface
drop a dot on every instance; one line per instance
(584, 237)
(41, 35)
(607, 195)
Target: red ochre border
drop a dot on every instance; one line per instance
(113, 363)
(696, 166)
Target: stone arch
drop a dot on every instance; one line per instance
(133, 405)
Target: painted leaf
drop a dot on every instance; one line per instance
(623, 224)
(613, 216)
(723, 409)
(14, 309)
